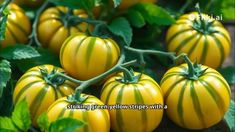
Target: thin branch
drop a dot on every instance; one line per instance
(34, 36)
(4, 6)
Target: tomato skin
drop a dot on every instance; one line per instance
(145, 92)
(18, 27)
(203, 48)
(97, 120)
(38, 93)
(195, 104)
(54, 36)
(85, 57)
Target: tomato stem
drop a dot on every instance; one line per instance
(142, 52)
(33, 36)
(3, 6)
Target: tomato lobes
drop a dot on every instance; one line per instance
(145, 92)
(54, 36)
(38, 93)
(96, 120)
(18, 27)
(195, 104)
(85, 57)
(201, 45)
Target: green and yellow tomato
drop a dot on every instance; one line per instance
(195, 104)
(40, 90)
(205, 41)
(95, 119)
(138, 96)
(85, 57)
(18, 27)
(54, 28)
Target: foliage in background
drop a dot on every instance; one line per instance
(143, 25)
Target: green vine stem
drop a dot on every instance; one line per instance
(185, 6)
(3, 6)
(142, 52)
(66, 20)
(33, 36)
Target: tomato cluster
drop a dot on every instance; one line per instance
(192, 102)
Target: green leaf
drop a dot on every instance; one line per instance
(43, 122)
(136, 19)
(117, 3)
(229, 74)
(230, 116)
(66, 125)
(6, 125)
(228, 9)
(18, 52)
(76, 4)
(5, 74)
(3, 24)
(121, 27)
(46, 57)
(21, 116)
(154, 14)
(6, 101)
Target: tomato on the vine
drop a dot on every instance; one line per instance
(55, 26)
(41, 89)
(204, 40)
(18, 27)
(95, 119)
(141, 93)
(85, 57)
(195, 103)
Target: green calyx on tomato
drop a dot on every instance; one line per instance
(203, 24)
(129, 77)
(77, 98)
(51, 77)
(194, 70)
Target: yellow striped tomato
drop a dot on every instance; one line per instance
(206, 42)
(85, 57)
(138, 97)
(18, 27)
(195, 104)
(40, 90)
(53, 28)
(96, 120)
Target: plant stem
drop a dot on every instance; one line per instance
(33, 35)
(191, 69)
(77, 19)
(142, 52)
(66, 19)
(185, 6)
(4, 6)
(127, 75)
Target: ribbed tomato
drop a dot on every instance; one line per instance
(40, 90)
(54, 28)
(96, 120)
(206, 41)
(84, 57)
(18, 27)
(195, 104)
(141, 94)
